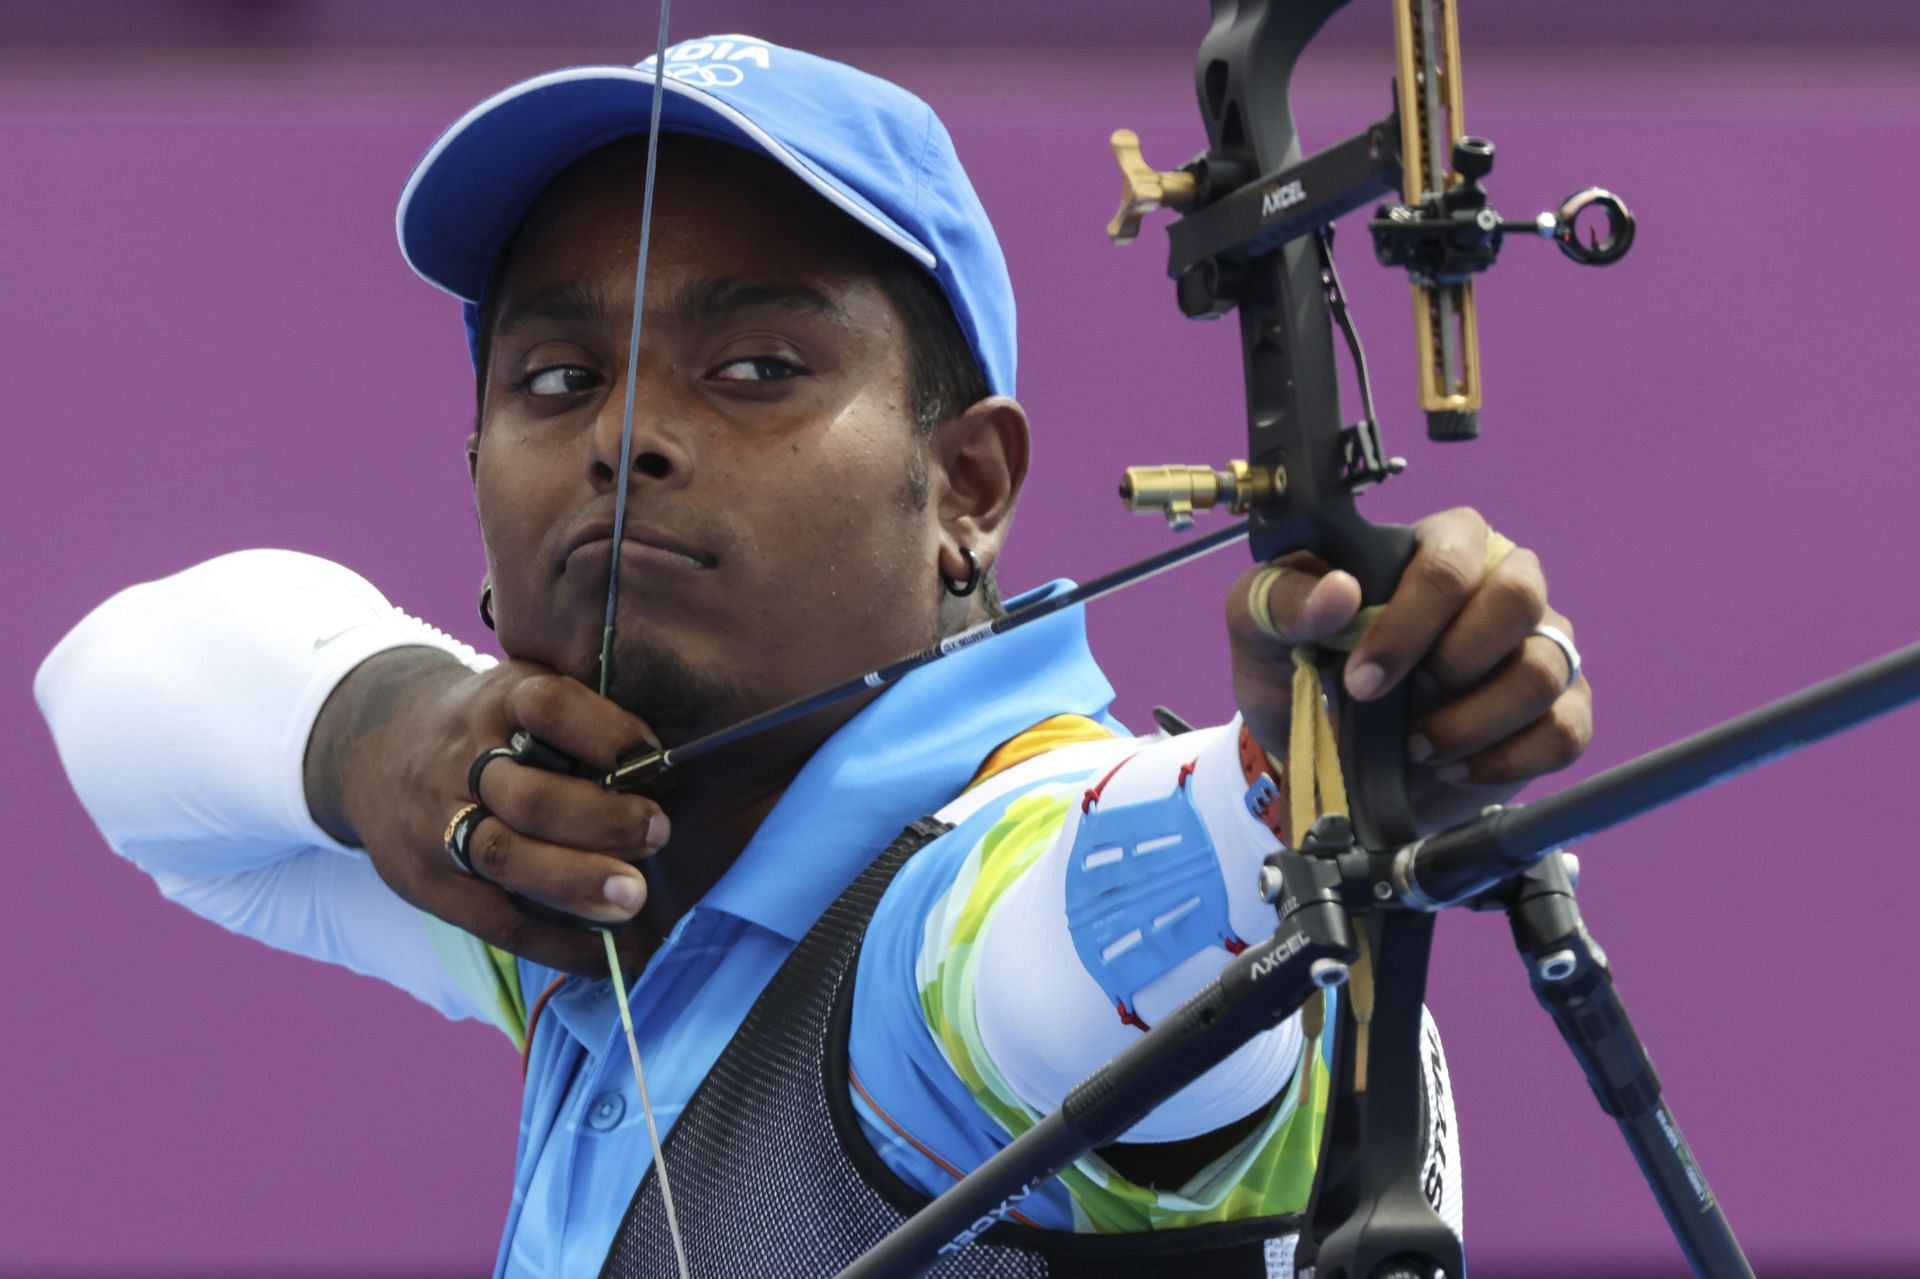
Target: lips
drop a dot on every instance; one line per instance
(659, 546)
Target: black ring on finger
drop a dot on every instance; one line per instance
(479, 766)
(458, 839)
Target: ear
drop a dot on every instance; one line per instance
(980, 458)
(473, 454)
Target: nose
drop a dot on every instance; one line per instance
(659, 449)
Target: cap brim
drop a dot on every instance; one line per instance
(479, 178)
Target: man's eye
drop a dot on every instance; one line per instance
(763, 368)
(562, 379)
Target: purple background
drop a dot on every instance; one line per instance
(208, 341)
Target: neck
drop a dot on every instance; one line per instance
(717, 803)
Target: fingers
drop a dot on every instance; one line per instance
(548, 840)
(1502, 733)
(571, 811)
(1461, 622)
(1548, 744)
(596, 887)
(1270, 609)
(1294, 601)
(558, 840)
(486, 911)
(1448, 565)
(1497, 619)
(568, 716)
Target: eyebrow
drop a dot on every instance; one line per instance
(584, 304)
(724, 297)
(578, 303)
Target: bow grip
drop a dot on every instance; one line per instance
(1373, 750)
(1373, 734)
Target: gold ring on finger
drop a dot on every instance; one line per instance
(458, 839)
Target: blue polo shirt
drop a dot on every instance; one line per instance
(583, 1143)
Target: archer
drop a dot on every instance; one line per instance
(825, 460)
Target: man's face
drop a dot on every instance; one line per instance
(775, 542)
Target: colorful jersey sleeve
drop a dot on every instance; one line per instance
(488, 976)
(1080, 896)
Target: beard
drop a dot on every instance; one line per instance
(678, 700)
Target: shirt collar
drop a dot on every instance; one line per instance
(906, 754)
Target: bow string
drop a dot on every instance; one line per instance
(609, 628)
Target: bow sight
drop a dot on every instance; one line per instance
(1441, 229)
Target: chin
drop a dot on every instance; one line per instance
(677, 698)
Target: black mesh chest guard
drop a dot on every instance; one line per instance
(772, 1178)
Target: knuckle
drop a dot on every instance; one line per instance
(1447, 571)
(1524, 560)
(1568, 731)
(1455, 521)
(1449, 668)
(538, 698)
(1518, 593)
(1545, 669)
(490, 849)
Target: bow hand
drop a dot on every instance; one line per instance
(1493, 705)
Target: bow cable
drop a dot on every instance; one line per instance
(624, 479)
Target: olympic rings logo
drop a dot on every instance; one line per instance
(705, 75)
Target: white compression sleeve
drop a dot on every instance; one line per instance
(1043, 1017)
(181, 710)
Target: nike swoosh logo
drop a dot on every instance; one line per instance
(322, 643)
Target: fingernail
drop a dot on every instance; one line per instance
(658, 828)
(626, 891)
(1313, 598)
(1364, 681)
(1419, 749)
(1454, 773)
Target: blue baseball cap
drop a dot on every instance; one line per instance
(871, 149)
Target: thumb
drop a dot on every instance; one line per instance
(1292, 603)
